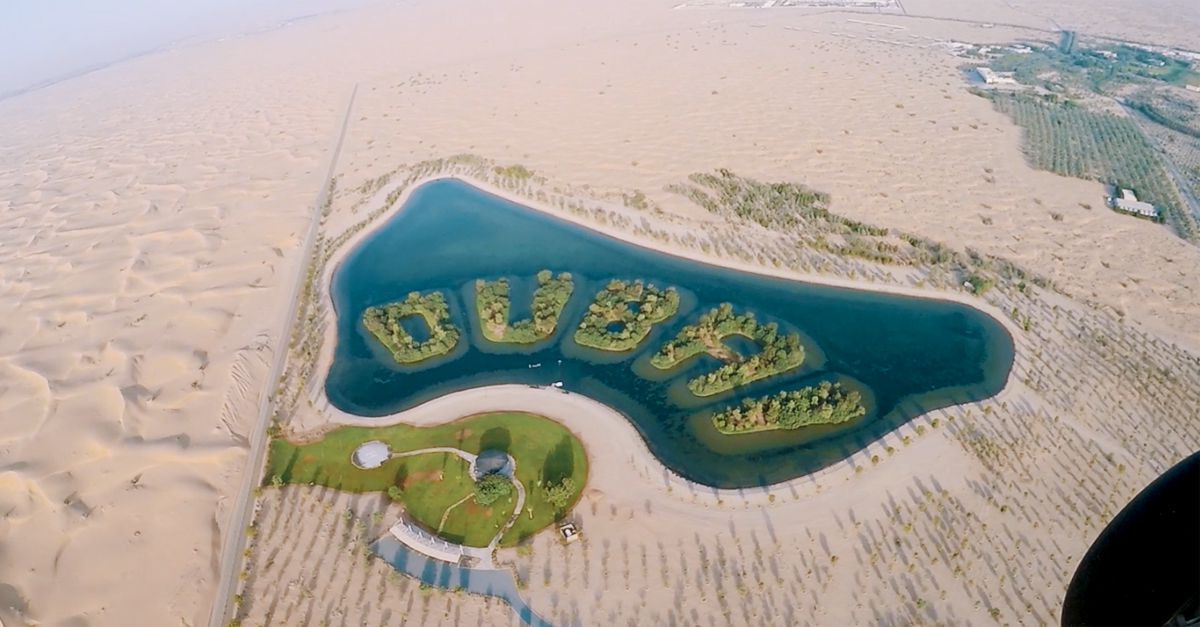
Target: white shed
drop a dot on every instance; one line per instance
(370, 455)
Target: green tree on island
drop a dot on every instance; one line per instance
(779, 352)
(622, 314)
(822, 404)
(493, 303)
(383, 322)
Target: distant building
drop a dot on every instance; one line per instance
(992, 77)
(421, 541)
(569, 532)
(370, 455)
(1129, 203)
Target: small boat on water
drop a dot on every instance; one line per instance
(537, 365)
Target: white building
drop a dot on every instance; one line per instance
(1129, 203)
(370, 455)
(426, 544)
(992, 77)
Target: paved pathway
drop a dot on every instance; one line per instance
(483, 556)
(516, 510)
(469, 457)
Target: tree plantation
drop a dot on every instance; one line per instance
(1068, 139)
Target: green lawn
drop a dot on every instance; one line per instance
(545, 452)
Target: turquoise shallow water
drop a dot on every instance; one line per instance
(908, 355)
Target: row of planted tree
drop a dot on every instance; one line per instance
(619, 318)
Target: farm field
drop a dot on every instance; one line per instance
(1071, 140)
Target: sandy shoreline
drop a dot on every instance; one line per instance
(548, 402)
(659, 246)
(618, 455)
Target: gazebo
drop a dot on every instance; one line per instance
(492, 462)
(370, 455)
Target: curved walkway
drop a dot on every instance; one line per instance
(468, 457)
(516, 510)
(483, 555)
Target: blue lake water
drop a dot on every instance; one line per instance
(907, 355)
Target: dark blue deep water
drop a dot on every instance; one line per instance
(907, 355)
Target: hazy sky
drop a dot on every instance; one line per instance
(47, 39)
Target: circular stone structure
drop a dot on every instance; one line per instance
(492, 462)
(370, 455)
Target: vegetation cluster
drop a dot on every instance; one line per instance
(1159, 116)
(761, 203)
(821, 234)
(493, 304)
(1102, 70)
(515, 171)
(384, 322)
(823, 404)
(492, 488)
(778, 352)
(1070, 140)
(622, 313)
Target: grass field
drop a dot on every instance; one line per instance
(545, 452)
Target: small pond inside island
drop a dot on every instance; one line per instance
(906, 355)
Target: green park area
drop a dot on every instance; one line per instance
(436, 488)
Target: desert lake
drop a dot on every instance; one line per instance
(906, 355)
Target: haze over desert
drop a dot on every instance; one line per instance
(174, 227)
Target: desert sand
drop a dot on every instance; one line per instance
(867, 507)
(155, 213)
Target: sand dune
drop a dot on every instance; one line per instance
(1034, 472)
